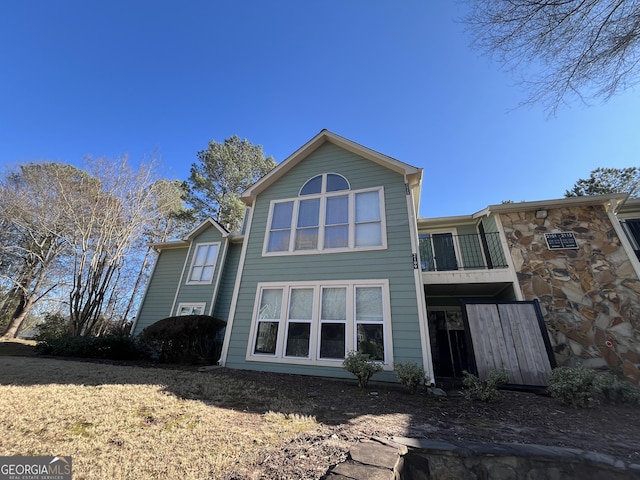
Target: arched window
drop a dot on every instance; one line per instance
(327, 216)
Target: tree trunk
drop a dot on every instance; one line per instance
(18, 317)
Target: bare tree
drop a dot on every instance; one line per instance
(33, 234)
(576, 48)
(106, 225)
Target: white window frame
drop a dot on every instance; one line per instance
(351, 340)
(192, 306)
(320, 249)
(193, 263)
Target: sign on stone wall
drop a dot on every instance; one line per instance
(558, 241)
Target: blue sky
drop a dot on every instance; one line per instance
(109, 78)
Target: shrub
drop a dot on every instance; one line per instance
(55, 326)
(577, 387)
(410, 375)
(361, 365)
(617, 390)
(106, 347)
(484, 390)
(186, 339)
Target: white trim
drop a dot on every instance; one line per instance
(351, 194)
(314, 338)
(509, 259)
(184, 267)
(456, 247)
(144, 295)
(236, 291)
(181, 305)
(193, 260)
(423, 323)
(414, 173)
(221, 260)
(624, 240)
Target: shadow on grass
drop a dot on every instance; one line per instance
(331, 401)
(17, 348)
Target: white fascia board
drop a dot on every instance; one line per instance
(414, 174)
(615, 200)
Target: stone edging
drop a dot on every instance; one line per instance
(403, 458)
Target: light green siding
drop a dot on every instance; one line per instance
(205, 292)
(394, 263)
(227, 282)
(162, 288)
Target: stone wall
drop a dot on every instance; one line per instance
(590, 296)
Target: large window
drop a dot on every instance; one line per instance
(326, 217)
(203, 263)
(320, 323)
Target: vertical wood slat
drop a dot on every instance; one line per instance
(538, 360)
(508, 336)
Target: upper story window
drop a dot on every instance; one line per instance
(327, 216)
(203, 263)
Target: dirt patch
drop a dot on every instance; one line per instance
(349, 415)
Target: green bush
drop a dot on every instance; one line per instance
(617, 390)
(409, 374)
(106, 347)
(184, 339)
(577, 387)
(361, 365)
(484, 390)
(55, 326)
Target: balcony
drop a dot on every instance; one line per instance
(478, 259)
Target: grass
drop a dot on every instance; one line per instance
(139, 423)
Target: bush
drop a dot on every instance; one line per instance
(577, 387)
(484, 390)
(410, 375)
(55, 326)
(186, 339)
(361, 365)
(616, 390)
(107, 347)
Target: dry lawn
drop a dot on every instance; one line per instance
(121, 422)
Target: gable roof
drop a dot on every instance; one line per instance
(188, 238)
(413, 174)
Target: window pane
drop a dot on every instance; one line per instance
(371, 341)
(212, 250)
(282, 215)
(336, 237)
(367, 207)
(308, 213)
(279, 241)
(337, 210)
(207, 274)
(266, 338)
(312, 186)
(336, 182)
(298, 339)
(368, 234)
(270, 304)
(196, 272)
(334, 304)
(369, 304)
(307, 239)
(301, 304)
(332, 340)
(201, 255)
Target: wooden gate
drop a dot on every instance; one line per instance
(510, 335)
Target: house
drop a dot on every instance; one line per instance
(333, 258)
